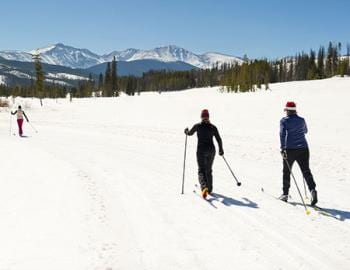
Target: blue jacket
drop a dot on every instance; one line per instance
(292, 132)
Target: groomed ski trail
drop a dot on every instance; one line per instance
(99, 193)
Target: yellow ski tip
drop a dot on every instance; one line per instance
(308, 212)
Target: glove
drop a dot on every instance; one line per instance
(221, 152)
(186, 131)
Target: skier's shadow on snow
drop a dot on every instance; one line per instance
(228, 201)
(337, 214)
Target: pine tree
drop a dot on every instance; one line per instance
(312, 68)
(329, 60)
(89, 88)
(320, 63)
(100, 84)
(335, 56)
(114, 80)
(39, 77)
(343, 67)
(131, 86)
(107, 89)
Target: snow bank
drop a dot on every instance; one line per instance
(66, 76)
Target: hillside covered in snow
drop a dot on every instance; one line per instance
(98, 187)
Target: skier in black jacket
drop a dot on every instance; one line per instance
(206, 151)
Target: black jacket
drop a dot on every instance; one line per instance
(205, 133)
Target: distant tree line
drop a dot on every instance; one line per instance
(50, 91)
(313, 65)
(249, 76)
(162, 81)
(235, 77)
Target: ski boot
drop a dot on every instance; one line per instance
(314, 198)
(283, 198)
(205, 193)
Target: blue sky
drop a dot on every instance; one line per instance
(258, 28)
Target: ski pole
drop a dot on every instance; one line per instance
(36, 131)
(305, 189)
(238, 183)
(10, 123)
(296, 184)
(184, 167)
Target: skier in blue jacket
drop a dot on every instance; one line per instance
(294, 147)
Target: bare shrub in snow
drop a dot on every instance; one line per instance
(4, 103)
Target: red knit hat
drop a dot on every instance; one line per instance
(205, 114)
(290, 106)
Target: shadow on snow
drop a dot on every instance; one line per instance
(337, 214)
(228, 201)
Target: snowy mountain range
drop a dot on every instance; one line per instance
(63, 55)
(14, 72)
(23, 73)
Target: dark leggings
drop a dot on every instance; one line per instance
(205, 161)
(302, 157)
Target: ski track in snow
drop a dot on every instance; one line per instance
(108, 193)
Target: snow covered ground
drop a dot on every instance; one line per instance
(66, 76)
(99, 186)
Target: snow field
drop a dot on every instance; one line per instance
(99, 186)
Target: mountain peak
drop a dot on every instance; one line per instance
(60, 45)
(170, 46)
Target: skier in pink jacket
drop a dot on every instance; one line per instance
(20, 116)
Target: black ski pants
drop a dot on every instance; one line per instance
(302, 157)
(205, 160)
